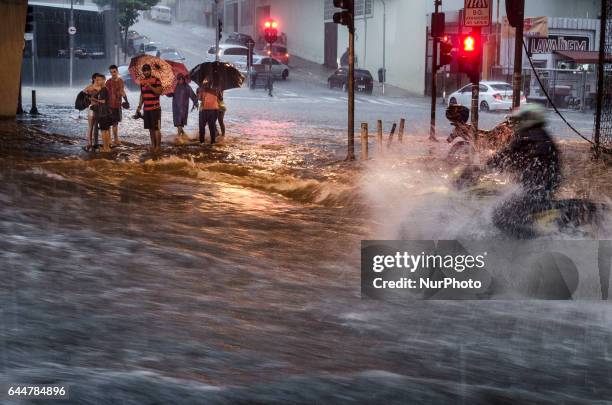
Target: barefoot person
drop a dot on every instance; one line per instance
(116, 92)
(180, 106)
(150, 90)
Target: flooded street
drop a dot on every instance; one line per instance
(231, 275)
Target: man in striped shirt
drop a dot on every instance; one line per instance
(150, 90)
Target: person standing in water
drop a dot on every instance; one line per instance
(209, 110)
(222, 110)
(116, 92)
(180, 106)
(101, 109)
(150, 90)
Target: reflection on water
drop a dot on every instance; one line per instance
(231, 275)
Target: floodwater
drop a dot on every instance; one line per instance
(231, 275)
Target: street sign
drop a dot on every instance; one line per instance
(477, 13)
(71, 30)
(28, 36)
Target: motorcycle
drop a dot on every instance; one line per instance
(464, 147)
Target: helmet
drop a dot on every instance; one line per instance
(530, 115)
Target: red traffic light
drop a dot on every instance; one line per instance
(270, 31)
(469, 43)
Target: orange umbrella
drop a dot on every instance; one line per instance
(159, 68)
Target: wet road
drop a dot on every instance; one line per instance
(231, 274)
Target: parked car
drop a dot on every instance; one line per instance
(364, 82)
(278, 52)
(170, 54)
(279, 70)
(228, 53)
(236, 38)
(493, 96)
(151, 48)
(135, 44)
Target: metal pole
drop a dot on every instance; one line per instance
(384, 49)
(518, 57)
(434, 68)
(33, 45)
(476, 91)
(217, 30)
(71, 39)
(270, 69)
(351, 90)
(600, 73)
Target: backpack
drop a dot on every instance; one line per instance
(82, 101)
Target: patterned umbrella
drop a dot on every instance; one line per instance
(179, 69)
(159, 68)
(220, 75)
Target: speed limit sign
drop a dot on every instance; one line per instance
(71, 30)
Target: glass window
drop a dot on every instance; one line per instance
(502, 87)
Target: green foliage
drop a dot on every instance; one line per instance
(128, 10)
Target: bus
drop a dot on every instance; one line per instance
(161, 14)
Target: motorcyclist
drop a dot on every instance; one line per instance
(533, 158)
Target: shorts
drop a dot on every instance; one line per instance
(104, 123)
(152, 119)
(115, 114)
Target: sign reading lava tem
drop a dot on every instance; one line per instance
(558, 43)
(477, 13)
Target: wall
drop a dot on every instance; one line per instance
(302, 21)
(11, 48)
(405, 43)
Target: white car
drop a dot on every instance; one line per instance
(161, 14)
(493, 96)
(279, 69)
(229, 53)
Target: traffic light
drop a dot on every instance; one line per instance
(220, 32)
(446, 49)
(470, 56)
(29, 25)
(346, 16)
(271, 31)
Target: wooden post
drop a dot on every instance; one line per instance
(379, 137)
(400, 135)
(391, 135)
(364, 141)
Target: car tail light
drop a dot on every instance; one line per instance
(498, 97)
(287, 55)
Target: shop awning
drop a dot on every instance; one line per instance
(583, 57)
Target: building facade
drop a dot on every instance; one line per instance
(393, 33)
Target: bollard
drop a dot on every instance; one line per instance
(364, 141)
(34, 110)
(400, 135)
(391, 134)
(379, 138)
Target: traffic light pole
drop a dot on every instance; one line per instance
(434, 69)
(351, 93)
(518, 57)
(476, 91)
(270, 69)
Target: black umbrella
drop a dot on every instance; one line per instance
(220, 75)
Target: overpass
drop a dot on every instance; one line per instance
(13, 14)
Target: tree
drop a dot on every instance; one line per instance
(127, 12)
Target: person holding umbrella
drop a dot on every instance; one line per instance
(209, 110)
(150, 90)
(180, 105)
